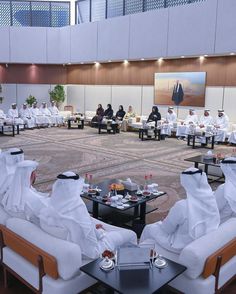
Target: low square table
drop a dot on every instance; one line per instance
(78, 121)
(139, 206)
(109, 127)
(13, 130)
(192, 138)
(144, 132)
(137, 281)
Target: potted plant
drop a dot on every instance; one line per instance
(30, 100)
(58, 94)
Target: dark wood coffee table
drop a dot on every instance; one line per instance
(145, 281)
(111, 128)
(143, 134)
(191, 141)
(199, 159)
(78, 122)
(12, 127)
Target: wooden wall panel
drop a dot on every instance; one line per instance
(33, 74)
(221, 71)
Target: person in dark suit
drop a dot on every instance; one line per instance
(178, 93)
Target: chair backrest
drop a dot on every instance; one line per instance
(29, 251)
(69, 108)
(225, 253)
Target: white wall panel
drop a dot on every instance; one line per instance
(65, 44)
(5, 44)
(84, 42)
(9, 95)
(214, 99)
(147, 99)
(53, 45)
(113, 38)
(95, 95)
(230, 103)
(127, 95)
(39, 91)
(148, 34)
(28, 44)
(192, 29)
(75, 97)
(226, 26)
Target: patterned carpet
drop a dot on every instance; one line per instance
(108, 156)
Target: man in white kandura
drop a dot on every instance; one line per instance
(205, 124)
(13, 114)
(190, 120)
(47, 114)
(59, 120)
(188, 219)
(221, 126)
(2, 117)
(22, 200)
(40, 119)
(168, 124)
(67, 211)
(25, 114)
(226, 193)
(3, 173)
(10, 159)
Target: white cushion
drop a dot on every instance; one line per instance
(68, 254)
(30, 273)
(61, 233)
(194, 255)
(3, 216)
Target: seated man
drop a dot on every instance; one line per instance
(13, 114)
(170, 119)
(22, 200)
(221, 126)
(205, 124)
(10, 159)
(188, 219)
(40, 119)
(190, 120)
(67, 211)
(226, 193)
(58, 119)
(47, 114)
(3, 173)
(27, 117)
(2, 117)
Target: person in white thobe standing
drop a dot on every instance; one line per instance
(27, 117)
(188, 219)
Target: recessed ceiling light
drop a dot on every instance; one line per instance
(182, 56)
(205, 55)
(232, 53)
(81, 63)
(109, 60)
(69, 63)
(142, 59)
(6, 65)
(160, 59)
(126, 61)
(96, 63)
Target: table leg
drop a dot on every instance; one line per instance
(206, 169)
(196, 164)
(143, 212)
(188, 140)
(13, 131)
(142, 135)
(139, 134)
(159, 135)
(82, 124)
(18, 129)
(99, 129)
(194, 137)
(212, 142)
(95, 209)
(69, 124)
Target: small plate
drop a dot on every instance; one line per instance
(106, 269)
(124, 200)
(120, 207)
(134, 200)
(146, 194)
(160, 263)
(92, 192)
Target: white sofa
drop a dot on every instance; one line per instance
(89, 115)
(68, 257)
(137, 122)
(194, 256)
